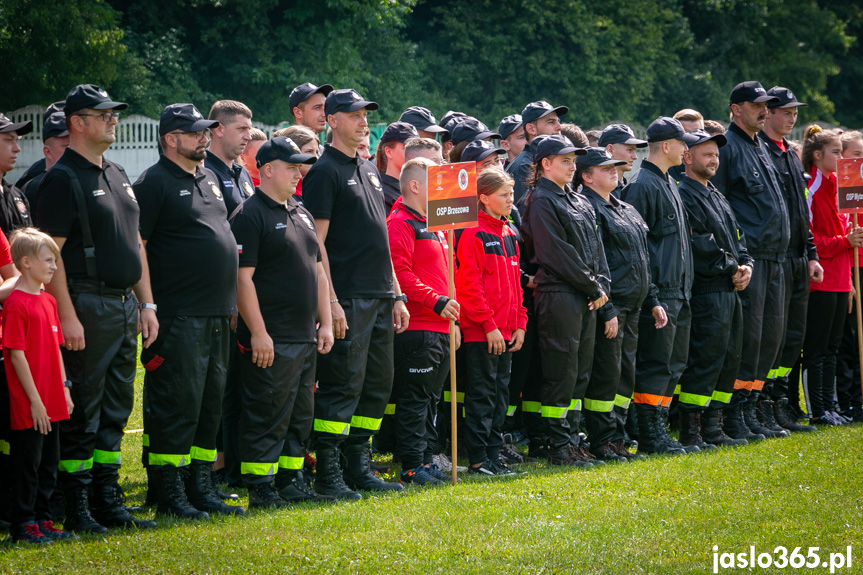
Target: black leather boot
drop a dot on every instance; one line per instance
(358, 473)
(202, 493)
(690, 430)
(329, 481)
(171, 492)
(78, 517)
(780, 414)
(712, 424)
(651, 432)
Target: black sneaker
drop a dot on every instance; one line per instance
(438, 474)
(29, 533)
(503, 470)
(419, 477)
(48, 530)
(487, 469)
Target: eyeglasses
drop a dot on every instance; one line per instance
(106, 116)
(203, 134)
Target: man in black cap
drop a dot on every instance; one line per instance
(307, 106)
(722, 268)
(485, 154)
(747, 177)
(14, 207)
(423, 120)
(229, 139)
(448, 122)
(193, 263)
(277, 335)
(512, 140)
(801, 261)
(88, 206)
(620, 141)
(38, 167)
(344, 194)
(55, 140)
(468, 130)
(390, 157)
(538, 118)
(662, 353)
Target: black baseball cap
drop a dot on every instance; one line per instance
(346, 100)
(699, 136)
(453, 122)
(665, 128)
(55, 126)
(556, 145)
(448, 117)
(90, 96)
(470, 130)
(399, 132)
(620, 134)
(785, 97)
(302, 92)
(6, 125)
(421, 119)
(594, 156)
(183, 117)
(479, 150)
(750, 91)
(52, 108)
(509, 125)
(284, 149)
(536, 110)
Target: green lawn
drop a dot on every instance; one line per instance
(662, 515)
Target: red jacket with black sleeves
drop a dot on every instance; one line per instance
(829, 231)
(488, 280)
(419, 258)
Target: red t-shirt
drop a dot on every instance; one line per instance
(31, 323)
(5, 259)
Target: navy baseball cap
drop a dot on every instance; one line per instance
(421, 119)
(509, 125)
(556, 145)
(665, 128)
(302, 92)
(696, 137)
(346, 100)
(183, 117)
(785, 97)
(448, 117)
(536, 110)
(598, 157)
(399, 132)
(92, 97)
(284, 149)
(470, 130)
(52, 108)
(751, 91)
(6, 125)
(479, 150)
(620, 134)
(55, 126)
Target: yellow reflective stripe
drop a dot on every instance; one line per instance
(552, 411)
(462, 412)
(200, 454)
(171, 459)
(783, 371)
(771, 374)
(292, 463)
(247, 468)
(677, 389)
(510, 410)
(694, 399)
(599, 406)
(720, 397)
(575, 405)
(4, 447)
(622, 401)
(390, 409)
(459, 396)
(531, 406)
(145, 439)
(370, 423)
(334, 427)
(106, 457)
(75, 465)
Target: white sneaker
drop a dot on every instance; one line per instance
(443, 463)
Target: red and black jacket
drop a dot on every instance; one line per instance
(488, 280)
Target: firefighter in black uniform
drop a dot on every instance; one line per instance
(722, 267)
(55, 140)
(193, 273)
(801, 261)
(88, 206)
(40, 166)
(14, 207)
(537, 119)
(620, 141)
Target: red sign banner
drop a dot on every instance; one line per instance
(849, 180)
(452, 200)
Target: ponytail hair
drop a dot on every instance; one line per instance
(815, 139)
(532, 180)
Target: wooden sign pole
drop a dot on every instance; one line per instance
(453, 399)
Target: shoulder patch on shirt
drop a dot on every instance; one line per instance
(352, 182)
(248, 188)
(216, 191)
(22, 209)
(281, 226)
(130, 192)
(97, 193)
(185, 193)
(306, 219)
(375, 181)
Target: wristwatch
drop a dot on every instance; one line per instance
(67, 383)
(402, 298)
(151, 306)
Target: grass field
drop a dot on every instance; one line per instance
(661, 515)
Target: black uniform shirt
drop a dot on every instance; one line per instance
(347, 192)
(191, 251)
(235, 181)
(30, 189)
(519, 169)
(281, 243)
(36, 168)
(392, 191)
(14, 209)
(113, 212)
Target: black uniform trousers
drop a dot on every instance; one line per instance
(662, 354)
(796, 271)
(355, 379)
(5, 450)
(443, 425)
(34, 471)
(567, 331)
(715, 343)
(763, 328)
(525, 383)
(848, 389)
(103, 376)
(485, 400)
(612, 379)
(276, 416)
(184, 384)
(826, 321)
(421, 370)
(232, 402)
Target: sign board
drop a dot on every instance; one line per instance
(452, 196)
(849, 180)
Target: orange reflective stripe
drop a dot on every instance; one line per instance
(650, 399)
(757, 385)
(666, 401)
(740, 384)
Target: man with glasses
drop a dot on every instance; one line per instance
(193, 263)
(87, 205)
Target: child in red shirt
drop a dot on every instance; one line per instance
(493, 319)
(38, 395)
